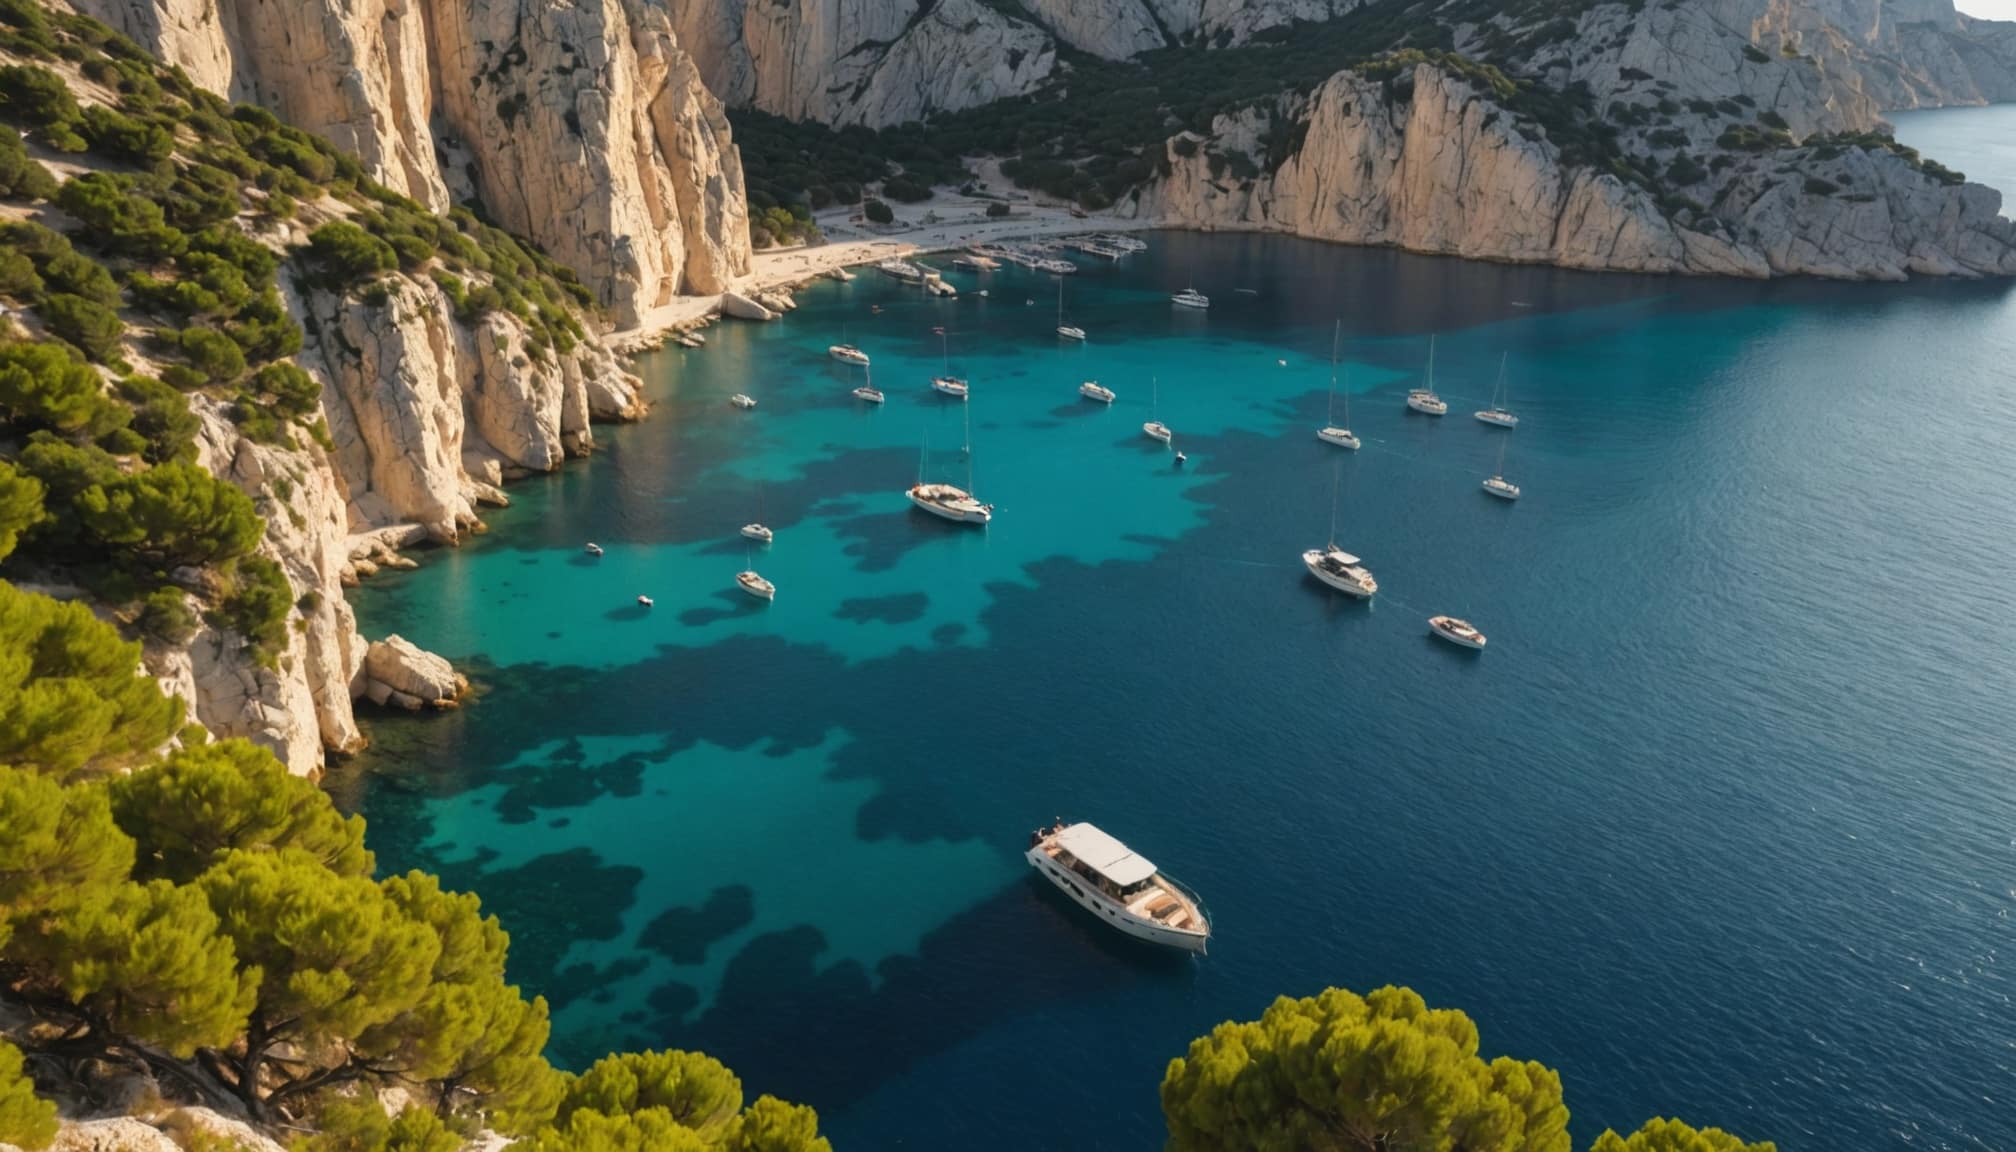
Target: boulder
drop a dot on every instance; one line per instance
(743, 308)
(401, 668)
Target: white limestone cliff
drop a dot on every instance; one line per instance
(581, 125)
(872, 62)
(1445, 169)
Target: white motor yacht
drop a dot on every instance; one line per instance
(758, 533)
(1458, 632)
(1093, 390)
(848, 354)
(756, 585)
(1340, 570)
(1423, 399)
(950, 502)
(741, 400)
(1502, 488)
(1119, 886)
(1190, 298)
(1497, 414)
(901, 270)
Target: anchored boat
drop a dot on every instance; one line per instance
(1119, 886)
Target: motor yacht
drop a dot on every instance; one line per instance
(1119, 886)
(593, 549)
(646, 601)
(758, 533)
(1190, 298)
(1093, 390)
(1340, 570)
(848, 354)
(756, 585)
(1502, 488)
(901, 270)
(1458, 632)
(743, 401)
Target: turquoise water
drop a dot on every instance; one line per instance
(1720, 825)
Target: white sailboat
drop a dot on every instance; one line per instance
(949, 501)
(756, 530)
(848, 354)
(1496, 484)
(755, 585)
(1423, 399)
(1497, 414)
(1093, 390)
(1333, 432)
(1334, 566)
(1154, 429)
(947, 383)
(1067, 331)
(867, 391)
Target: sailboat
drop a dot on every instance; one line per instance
(1334, 566)
(1065, 330)
(754, 584)
(1423, 399)
(868, 391)
(1333, 432)
(948, 384)
(1154, 429)
(949, 501)
(756, 531)
(1497, 485)
(1497, 413)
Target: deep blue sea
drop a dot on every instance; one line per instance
(1722, 824)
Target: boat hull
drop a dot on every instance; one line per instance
(1069, 333)
(1506, 492)
(956, 515)
(1341, 437)
(1157, 432)
(1313, 561)
(1428, 406)
(1113, 914)
(950, 388)
(1101, 395)
(871, 395)
(1474, 643)
(757, 532)
(759, 591)
(1498, 419)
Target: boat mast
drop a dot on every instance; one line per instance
(966, 449)
(1431, 362)
(1498, 391)
(1336, 334)
(1336, 474)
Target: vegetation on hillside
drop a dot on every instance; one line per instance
(1380, 1072)
(212, 919)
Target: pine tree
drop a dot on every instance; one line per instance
(1675, 1136)
(771, 1125)
(203, 803)
(1342, 1071)
(335, 957)
(20, 506)
(149, 963)
(695, 1090)
(58, 849)
(69, 696)
(26, 1120)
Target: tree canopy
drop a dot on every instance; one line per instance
(69, 699)
(26, 1120)
(1675, 1136)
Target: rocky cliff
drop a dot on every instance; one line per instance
(1432, 161)
(584, 126)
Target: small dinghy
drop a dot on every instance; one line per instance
(742, 401)
(645, 601)
(1458, 632)
(593, 549)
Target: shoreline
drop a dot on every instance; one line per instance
(849, 245)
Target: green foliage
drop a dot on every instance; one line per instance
(176, 513)
(45, 385)
(18, 277)
(93, 328)
(58, 849)
(123, 138)
(287, 389)
(118, 221)
(1675, 1136)
(771, 1125)
(162, 417)
(26, 1120)
(212, 353)
(1339, 1070)
(693, 1089)
(359, 1124)
(256, 606)
(165, 616)
(33, 95)
(20, 506)
(201, 804)
(21, 178)
(149, 962)
(878, 212)
(348, 255)
(69, 699)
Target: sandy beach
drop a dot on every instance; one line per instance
(947, 222)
